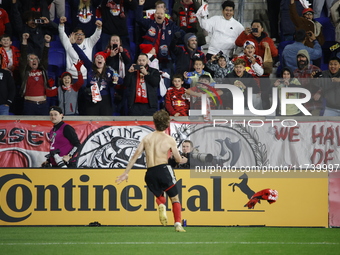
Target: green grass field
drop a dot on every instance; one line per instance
(164, 240)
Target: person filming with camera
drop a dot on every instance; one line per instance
(63, 140)
(142, 82)
(187, 147)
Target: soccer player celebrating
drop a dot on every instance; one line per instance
(159, 177)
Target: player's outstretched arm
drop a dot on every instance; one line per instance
(133, 160)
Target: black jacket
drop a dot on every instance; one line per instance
(7, 87)
(152, 84)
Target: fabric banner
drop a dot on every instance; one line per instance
(238, 144)
(103, 144)
(288, 143)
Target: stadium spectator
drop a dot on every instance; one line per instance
(64, 142)
(5, 25)
(260, 39)
(261, 42)
(39, 6)
(304, 73)
(114, 15)
(307, 23)
(201, 87)
(37, 27)
(220, 65)
(318, 5)
(176, 102)
(186, 54)
(287, 27)
(335, 16)
(273, 11)
(254, 64)
(84, 15)
(86, 44)
(68, 91)
(150, 51)
(9, 55)
(329, 85)
(287, 80)
(142, 83)
(224, 30)
(7, 90)
(191, 78)
(35, 87)
(119, 59)
(101, 82)
(160, 33)
(57, 7)
(183, 14)
(243, 80)
(290, 51)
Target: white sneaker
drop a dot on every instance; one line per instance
(178, 227)
(163, 218)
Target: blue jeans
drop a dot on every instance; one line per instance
(4, 109)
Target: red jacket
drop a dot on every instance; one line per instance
(175, 101)
(16, 57)
(259, 47)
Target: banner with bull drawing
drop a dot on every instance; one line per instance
(111, 144)
(103, 144)
(288, 145)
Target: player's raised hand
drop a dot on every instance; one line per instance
(122, 178)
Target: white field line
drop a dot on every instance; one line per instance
(166, 243)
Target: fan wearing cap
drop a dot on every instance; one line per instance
(304, 72)
(307, 23)
(220, 65)
(254, 63)
(183, 13)
(101, 82)
(262, 41)
(186, 54)
(68, 91)
(63, 140)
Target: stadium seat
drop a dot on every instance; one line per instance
(56, 62)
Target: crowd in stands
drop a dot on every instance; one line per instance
(133, 57)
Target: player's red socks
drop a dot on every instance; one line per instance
(176, 209)
(160, 200)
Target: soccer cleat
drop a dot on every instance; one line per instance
(179, 228)
(162, 214)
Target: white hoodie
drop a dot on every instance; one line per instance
(72, 56)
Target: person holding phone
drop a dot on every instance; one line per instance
(256, 34)
(119, 59)
(142, 82)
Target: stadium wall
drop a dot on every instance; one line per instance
(308, 154)
(78, 197)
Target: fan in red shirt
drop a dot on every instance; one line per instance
(176, 102)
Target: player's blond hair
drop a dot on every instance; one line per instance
(161, 119)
